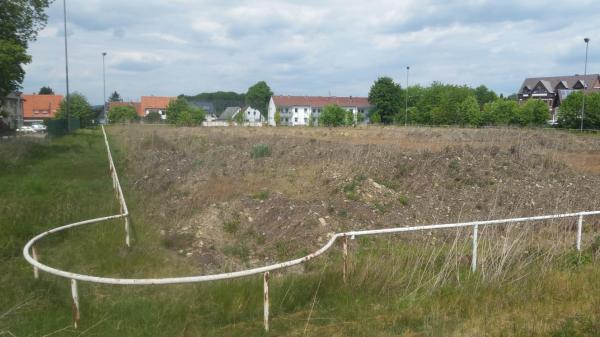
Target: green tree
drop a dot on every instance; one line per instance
(258, 97)
(115, 97)
(12, 56)
(375, 117)
(386, 96)
(78, 108)
(46, 91)
(470, 108)
(120, 114)
(277, 117)
(350, 118)
(484, 95)
(533, 112)
(502, 112)
(569, 113)
(239, 118)
(179, 106)
(333, 115)
(20, 22)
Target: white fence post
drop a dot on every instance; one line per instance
(345, 254)
(474, 255)
(579, 230)
(266, 300)
(36, 273)
(127, 242)
(75, 296)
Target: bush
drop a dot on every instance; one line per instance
(569, 115)
(120, 114)
(333, 115)
(260, 150)
(181, 113)
(153, 117)
(375, 118)
(533, 112)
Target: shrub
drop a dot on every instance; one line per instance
(232, 226)
(260, 150)
(152, 117)
(333, 115)
(533, 112)
(180, 112)
(375, 118)
(121, 114)
(261, 195)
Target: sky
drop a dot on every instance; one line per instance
(311, 47)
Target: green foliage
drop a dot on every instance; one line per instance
(181, 113)
(375, 118)
(350, 118)
(277, 117)
(258, 97)
(232, 226)
(502, 112)
(261, 195)
(220, 99)
(333, 115)
(46, 91)
(440, 104)
(569, 115)
(484, 95)
(78, 108)
(260, 150)
(470, 109)
(12, 57)
(239, 118)
(115, 97)
(19, 24)
(387, 97)
(153, 117)
(120, 114)
(533, 112)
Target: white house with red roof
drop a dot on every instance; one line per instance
(297, 110)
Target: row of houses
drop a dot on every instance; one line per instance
(23, 109)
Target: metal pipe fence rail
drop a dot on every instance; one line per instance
(31, 254)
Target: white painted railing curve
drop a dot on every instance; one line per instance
(30, 253)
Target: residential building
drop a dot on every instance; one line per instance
(298, 110)
(253, 116)
(37, 108)
(553, 90)
(12, 110)
(158, 104)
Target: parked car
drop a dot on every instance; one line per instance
(25, 129)
(39, 127)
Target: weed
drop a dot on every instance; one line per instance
(261, 195)
(231, 226)
(380, 206)
(351, 190)
(238, 250)
(403, 200)
(260, 150)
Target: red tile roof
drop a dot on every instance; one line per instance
(40, 106)
(154, 102)
(321, 101)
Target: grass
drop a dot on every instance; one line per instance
(260, 150)
(417, 285)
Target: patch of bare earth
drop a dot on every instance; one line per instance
(224, 209)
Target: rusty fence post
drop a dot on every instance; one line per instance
(579, 230)
(36, 273)
(75, 295)
(345, 255)
(474, 254)
(266, 300)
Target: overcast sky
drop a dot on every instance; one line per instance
(321, 47)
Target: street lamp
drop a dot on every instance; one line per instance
(104, 87)
(587, 41)
(68, 100)
(406, 98)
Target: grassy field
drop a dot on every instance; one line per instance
(530, 281)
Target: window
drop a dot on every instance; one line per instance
(314, 110)
(295, 109)
(305, 120)
(305, 109)
(254, 113)
(248, 112)
(295, 119)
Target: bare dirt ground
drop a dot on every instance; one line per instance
(223, 208)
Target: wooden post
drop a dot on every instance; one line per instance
(75, 295)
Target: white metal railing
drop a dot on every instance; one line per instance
(30, 251)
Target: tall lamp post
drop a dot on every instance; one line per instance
(104, 117)
(406, 98)
(68, 100)
(587, 42)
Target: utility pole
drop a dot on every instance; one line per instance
(68, 98)
(587, 41)
(104, 117)
(406, 98)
